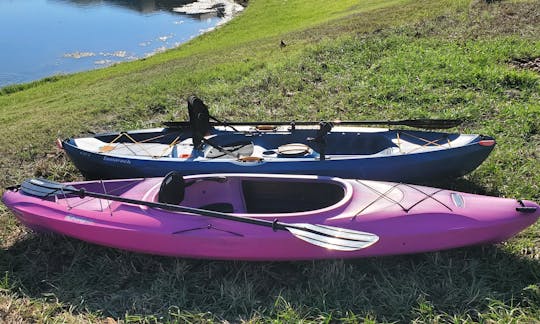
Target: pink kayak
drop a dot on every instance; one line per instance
(267, 217)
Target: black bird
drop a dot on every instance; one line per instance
(282, 44)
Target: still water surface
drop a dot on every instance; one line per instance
(40, 38)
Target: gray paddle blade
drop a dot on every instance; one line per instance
(333, 238)
(44, 188)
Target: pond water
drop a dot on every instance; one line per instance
(40, 38)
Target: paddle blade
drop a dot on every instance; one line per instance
(428, 123)
(333, 238)
(44, 188)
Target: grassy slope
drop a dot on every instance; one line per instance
(345, 59)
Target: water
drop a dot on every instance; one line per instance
(40, 38)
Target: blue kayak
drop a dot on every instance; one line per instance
(200, 146)
(350, 152)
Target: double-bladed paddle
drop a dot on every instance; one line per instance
(330, 237)
(425, 123)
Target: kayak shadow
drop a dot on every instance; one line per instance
(90, 278)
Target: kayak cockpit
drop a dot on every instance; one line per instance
(253, 194)
(277, 197)
(363, 142)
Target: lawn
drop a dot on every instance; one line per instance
(349, 59)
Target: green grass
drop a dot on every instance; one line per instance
(344, 60)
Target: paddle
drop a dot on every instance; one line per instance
(334, 238)
(417, 123)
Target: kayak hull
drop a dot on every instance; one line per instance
(405, 218)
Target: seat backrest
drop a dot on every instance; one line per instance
(199, 118)
(172, 189)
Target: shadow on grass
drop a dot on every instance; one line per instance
(88, 278)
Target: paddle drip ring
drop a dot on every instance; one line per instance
(274, 225)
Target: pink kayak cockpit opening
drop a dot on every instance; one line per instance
(252, 194)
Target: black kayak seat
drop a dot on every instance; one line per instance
(172, 189)
(199, 118)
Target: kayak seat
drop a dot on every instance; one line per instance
(241, 148)
(172, 189)
(199, 119)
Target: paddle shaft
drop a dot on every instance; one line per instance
(272, 224)
(420, 123)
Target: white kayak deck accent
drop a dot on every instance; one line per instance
(184, 149)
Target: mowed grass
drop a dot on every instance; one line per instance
(344, 60)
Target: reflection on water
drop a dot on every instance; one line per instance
(152, 6)
(141, 6)
(40, 38)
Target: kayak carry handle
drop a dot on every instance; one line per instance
(525, 209)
